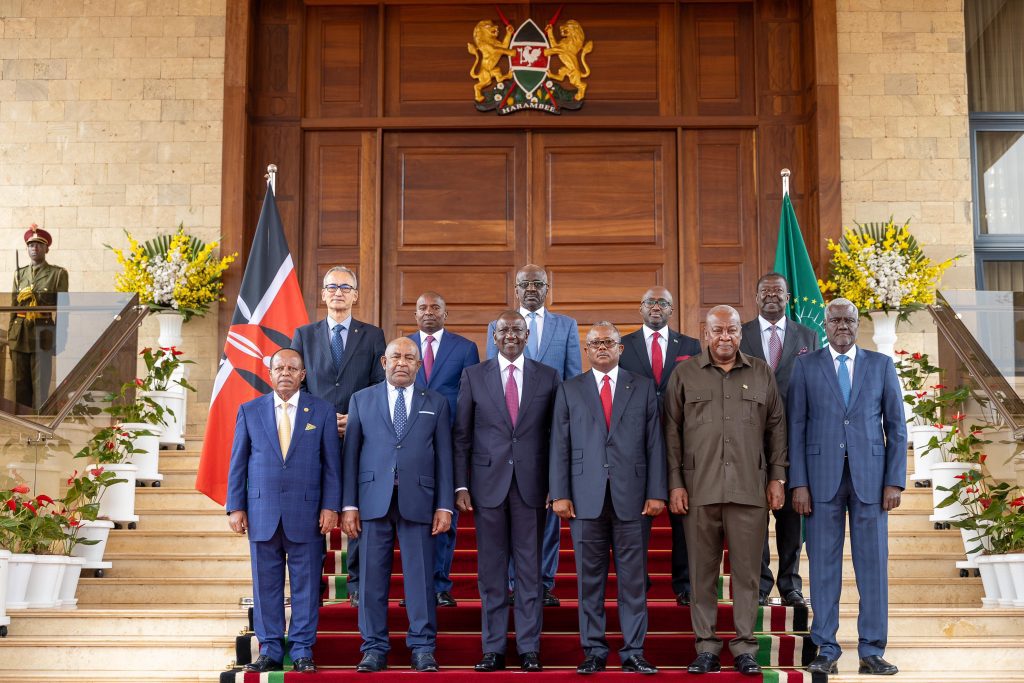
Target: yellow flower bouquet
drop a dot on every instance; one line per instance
(172, 272)
(880, 267)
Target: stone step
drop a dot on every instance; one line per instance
(927, 654)
(182, 520)
(201, 656)
(180, 460)
(137, 565)
(184, 478)
(929, 676)
(135, 620)
(164, 541)
(168, 498)
(157, 590)
(940, 621)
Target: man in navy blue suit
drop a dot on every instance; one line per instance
(398, 464)
(555, 342)
(284, 489)
(848, 456)
(342, 356)
(445, 355)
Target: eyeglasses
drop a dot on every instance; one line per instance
(603, 343)
(661, 303)
(536, 284)
(344, 289)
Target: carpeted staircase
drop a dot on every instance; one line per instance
(781, 631)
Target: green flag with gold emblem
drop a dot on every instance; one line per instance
(806, 304)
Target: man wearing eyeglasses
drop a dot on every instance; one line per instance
(777, 340)
(555, 342)
(653, 351)
(608, 478)
(342, 356)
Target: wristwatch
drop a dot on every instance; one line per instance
(781, 481)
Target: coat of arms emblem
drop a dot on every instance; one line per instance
(532, 81)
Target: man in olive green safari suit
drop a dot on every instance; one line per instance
(32, 336)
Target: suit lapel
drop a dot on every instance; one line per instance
(441, 353)
(828, 368)
(860, 372)
(270, 423)
(637, 345)
(493, 384)
(355, 338)
(412, 410)
(551, 324)
(322, 359)
(789, 346)
(752, 335)
(382, 405)
(593, 397)
(303, 414)
(528, 388)
(623, 393)
(671, 354)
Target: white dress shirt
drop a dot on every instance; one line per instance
(393, 397)
(662, 342)
(332, 323)
(539, 322)
(612, 375)
(851, 354)
(766, 334)
(423, 342)
(288, 413)
(503, 364)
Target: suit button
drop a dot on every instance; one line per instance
(842, 445)
(728, 396)
(515, 440)
(846, 422)
(335, 384)
(727, 417)
(509, 462)
(398, 446)
(606, 465)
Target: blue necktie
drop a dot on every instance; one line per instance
(531, 343)
(844, 378)
(401, 416)
(337, 346)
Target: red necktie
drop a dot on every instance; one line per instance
(428, 357)
(606, 401)
(512, 395)
(657, 362)
(775, 348)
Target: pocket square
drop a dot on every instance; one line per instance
(310, 426)
(679, 358)
(802, 351)
(426, 412)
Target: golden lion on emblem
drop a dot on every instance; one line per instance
(487, 52)
(572, 52)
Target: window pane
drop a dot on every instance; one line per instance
(995, 55)
(1000, 159)
(1004, 276)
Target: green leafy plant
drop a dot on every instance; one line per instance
(29, 525)
(161, 365)
(81, 503)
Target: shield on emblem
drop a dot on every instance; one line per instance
(529, 64)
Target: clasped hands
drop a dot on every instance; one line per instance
(239, 521)
(352, 526)
(679, 499)
(891, 498)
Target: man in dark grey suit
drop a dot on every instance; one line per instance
(342, 356)
(777, 340)
(653, 351)
(500, 442)
(608, 471)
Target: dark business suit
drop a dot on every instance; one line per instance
(282, 498)
(797, 340)
(505, 468)
(635, 359)
(846, 455)
(609, 474)
(360, 368)
(397, 483)
(452, 355)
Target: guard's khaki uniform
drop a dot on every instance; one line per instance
(32, 336)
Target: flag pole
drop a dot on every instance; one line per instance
(271, 177)
(785, 181)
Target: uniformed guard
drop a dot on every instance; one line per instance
(31, 335)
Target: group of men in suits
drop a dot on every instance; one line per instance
(524, 440)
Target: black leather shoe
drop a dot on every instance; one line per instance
(762, 599)
(747, 665)
(591, 664)
(264, 664)
(794, 598)
(530, 661)
(304, 665)
(823, 665)
(445, 599)
(550, 600)
(424, 661)
(706, 662)
(683, 599)
(371, 663)
(876, 666)
(638, 665)
(491, 661)
(353, 598)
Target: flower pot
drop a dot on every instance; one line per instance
(1015, 565)
(945, 474)
(174, 425)
(97, 530)
(44, 583)
(1007, 594)
(69, 586)
(118, 501)
(988, 580)
(170, 328)
(975, 542)
(921, 435)
(884, 336)
(148, 457)
(19, 571)
(5, 557)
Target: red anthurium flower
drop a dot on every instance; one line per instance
(144, 351)
(939, 425)
(12, 505)
(971, 489)
(109, 445)
(960, 476)
(30, 506)
(1017, 502)
(901, 353)
(938, 386)
(96, 471)
(72, 522)
(958, 416)
(921, 394)
(983, 457)
(985, 502)
(138, 382)
(43, 499)
(916, 356)
(21, 488)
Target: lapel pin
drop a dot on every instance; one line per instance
(306, 409)
(745, 386)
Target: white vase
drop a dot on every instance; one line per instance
(44, 583)
(118, 501)
(98, 530)
(988, 580)
(1007, 594)
(945, 474)
(69, 586)
(147, 457)
(920, 436)
(1015, 565)
(170, 329)
(5, 556)
(172, 433)
(885, 332)
(975, 543)
(19, 571)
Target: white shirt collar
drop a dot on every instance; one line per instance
(503, 363)
(293, 401)
(849, 354)
(766, 326)
(435, 335)
(332, 323)
(526, 313)
(648, 332)
(393, 389)
(613, 374)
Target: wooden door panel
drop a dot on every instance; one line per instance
(718, 59)
(720, 244)
(341, 61)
